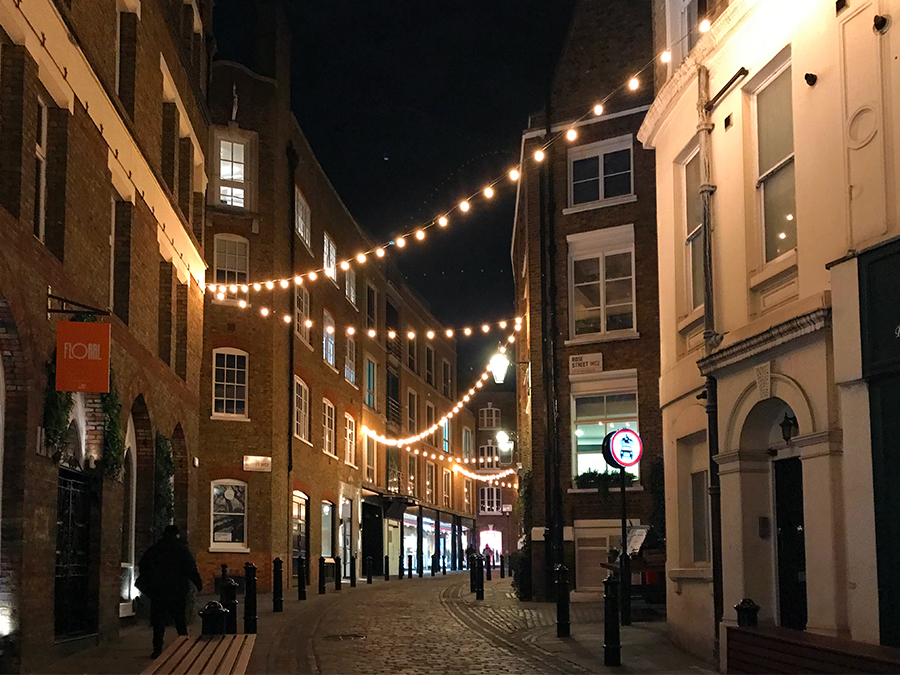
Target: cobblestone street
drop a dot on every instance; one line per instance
(429, 625)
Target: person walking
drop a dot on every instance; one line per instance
(488, 554)
(165, 570)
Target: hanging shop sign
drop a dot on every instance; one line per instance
(82, 357)
(585, 364)
(622, 448)
(257, 463)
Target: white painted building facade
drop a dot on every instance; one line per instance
(803, 159)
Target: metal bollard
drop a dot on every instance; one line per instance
(301, 578)
(612, 647)
(352, 571)
(368, 569)
(250, 598)
(322, 575)
(400, 569)
(409, 566)
(470, 561)
(479, 577)
(488, 565)
(277, 585)
(443, 567)
(433, 563)
(502, 568)
(420, 563)
(212, 618)
(563, 626)
(338, 572)
(230, 603)
(387, 571)
(747, 613)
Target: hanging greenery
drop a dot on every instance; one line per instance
(521, 559)
(113, 437)
(163, 486)
(57, 410)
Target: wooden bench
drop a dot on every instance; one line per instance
(204, 655)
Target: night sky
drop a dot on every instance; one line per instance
(412, 106)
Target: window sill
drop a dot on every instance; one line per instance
(602, 204)
(334, 368)
(227, 302)
(688, 321)
(603, 337)
(350, 464)
(229, 418)
(688, 573)
(305, 343)
(223, 549)
(303, 440)
(584, 491)
(328, 454)
(771, 271)
(232, 210)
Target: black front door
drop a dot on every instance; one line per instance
(75, 604)
(373, 538)
(791, 543)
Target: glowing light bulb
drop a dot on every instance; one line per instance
(245, 288)
(478, 384)
(467, 331)
(345, 266)
(350, 330)
(391, 335)
(220, 296)
(634, 83)
(329, 329)
(308, 323)
(313, 276)
(464, 206)
(287, 318)
(449, 333)
(264, 311)
(400, 242)
(242, 303)
(270, 285)
(488, 192)
(782, 235)
(411, 335)
(539, 156)
(360, 258)
(511, 338)
(371, 332)
(430, 335)
(789, 216)
(514, 174)
(442, 221)
(598, 109)
(485, 328)
(665, 57)
(379, 252)
(502, 324)
(705, 25)
(284, 283)
(212, 287)
(420, 234)
(256, 287)
(466, 398)
(571, 135)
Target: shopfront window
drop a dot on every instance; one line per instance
(595, 416)
(300, 533)
(327, 529)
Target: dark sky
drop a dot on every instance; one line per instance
(411, 106)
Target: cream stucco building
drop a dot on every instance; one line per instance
(800, 159)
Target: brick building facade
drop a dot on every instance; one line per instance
(295, 371)
(102, 139)
(599, 211)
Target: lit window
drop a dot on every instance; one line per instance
(232, 174)
(40, 172)
(468, 488)
(329, 260)
(370, 459)
(301, 409)
(489, 418)
(328, 339)
(392, 469)
(487, 455)
(467, 443)
(232, 265)
(327, 529)
(349, 440)
(350, 285)
(412, 424)
(445, 436)
(228, 515)
(301, 313)
(490, 500)
(230, 383)
(430, 486)
(693, 224)
(597, 415)
(411, 476)
(601, 172)
(448, 488)
(775, 135)
(328, 423)
(350, 361)
(371, 383)
(302, 216)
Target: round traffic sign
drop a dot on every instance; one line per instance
(626, 447)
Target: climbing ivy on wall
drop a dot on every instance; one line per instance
(113, 438)
(57, 410)
(163, 485)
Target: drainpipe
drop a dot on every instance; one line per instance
(292, 172)
(711, 340)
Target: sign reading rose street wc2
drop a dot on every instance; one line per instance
(82, 357)
(586, 364)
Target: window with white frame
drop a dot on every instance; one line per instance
(301, 409)
(301, 313)
(429, 364)
(229, 383)
(370, 459)
(430, 486)
(775, 139)
(232, 173)
(488, 455)
(445, 436)
(468, 493)
(489, 418)
(700, 516)
(601, 281)
(693, 218)
(350, 285)
(371, 307)
(232, 267)
(412, 351)
(302, 217)
(349, 440)
(412, 419)
(327, 529)
(687, 17)
(490, 500)
(228, 515)
(329, 257)
(467, 443)
(595, 416)
(448, 489)
(601, 173)
(328, 339)
(429, 422)
(411, 476)
(350, 361)
(40, 172)
(328, 424)
(371, 383)
(446, 382)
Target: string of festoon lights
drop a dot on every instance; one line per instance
(463, 206)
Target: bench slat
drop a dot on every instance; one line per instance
(227, 663)
(213, 665)
(201, 656)
(171, 657)
(241, 666)
(197, 647)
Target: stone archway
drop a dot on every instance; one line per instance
(180, 457)
(144, 456)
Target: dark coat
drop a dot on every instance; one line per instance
(166, 568)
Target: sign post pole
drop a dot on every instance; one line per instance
(625, 560)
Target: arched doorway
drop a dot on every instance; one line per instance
(145, 475)
(127, 590)
(770, 424)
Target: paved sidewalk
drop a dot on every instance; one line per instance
(429, 626)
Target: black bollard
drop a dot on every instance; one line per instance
(747, 613)
(230, 603)
(479, 577)
(277, 585)
(352, 571)
(563, 627)
(301, 578)
(212, 618)
(409, 566)
(338, 572)
(489, 563)
(368, 569)
(420, 565)
(387, 572)
(322, 575)
(250, 598)
(433, 563)
(400, 569)
(502, 568)
(470, 562)
(443, 567)
(612, 648)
